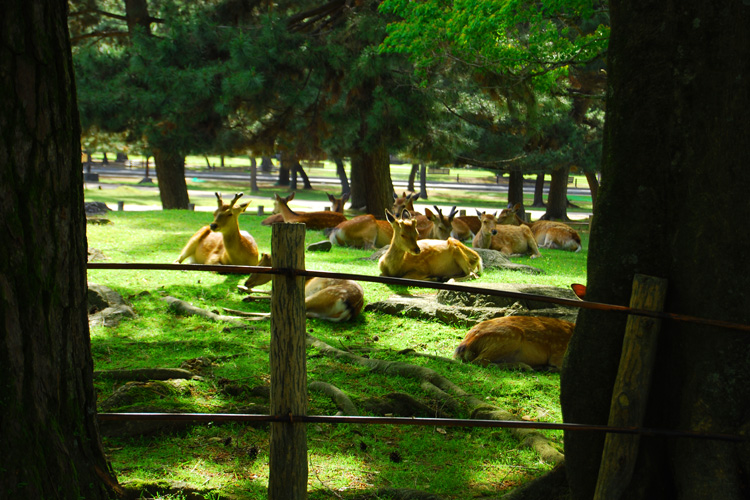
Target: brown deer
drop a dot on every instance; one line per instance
(506, 239)
(313, 220)
(547, 233)
(325, 298)
(337, 205)
(222, 242)
(517, 342)
(362, 231)
(448, 225)
(412, 258)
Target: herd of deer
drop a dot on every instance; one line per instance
(425, 246)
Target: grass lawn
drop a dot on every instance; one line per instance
(231, 460)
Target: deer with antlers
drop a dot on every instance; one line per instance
(517, 342)
(506, 239)
(425, 259)
(325, 298)
(547, 233)
(337, 205)
(222, 242)
(448, 225)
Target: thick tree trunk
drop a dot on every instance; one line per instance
(373, 180)
(675, 162)
(358, 198)
(341, 172)
(593, 186)
(423, 181)
(285, 168)
(136, 13)
(50, 437)
(253, 175)
(557, 199)
(266, 165)
(170, 173)
(539, 192)
(515, 187)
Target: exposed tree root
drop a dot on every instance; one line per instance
(479, 409)
(182, 307)
(144, 374)
(342, 401)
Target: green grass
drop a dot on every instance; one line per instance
(456, 463)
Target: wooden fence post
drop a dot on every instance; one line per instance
(630, 392)
(288, 441)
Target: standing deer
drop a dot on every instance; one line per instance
(548, 234)
(506, 239)
(325, 298)
(412, 258)
(337, 205)
(222, 242)
(517, 342)
(313, 220)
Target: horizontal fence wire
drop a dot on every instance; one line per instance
(433, 422)
(580, 304)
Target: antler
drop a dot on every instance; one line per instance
(454, 210)
(234, 200)
(218, 198)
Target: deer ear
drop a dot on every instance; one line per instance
(479, 214)
(580, 290)
(344, 197)
(389, 216)
(405, 215)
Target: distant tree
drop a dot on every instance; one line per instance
(50, 439)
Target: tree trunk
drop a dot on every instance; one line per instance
(593, 186)
(50, 437)
(266, 165)
(253, 175)
(105, 160)
(136, 13)
(539, 192)
(372, 180)
(675, 156)
(423, 181)
(341, 172)
(515, 187)
(305, 179)
(557, 199)
(412, 176)
(284, 171)
(170, 174)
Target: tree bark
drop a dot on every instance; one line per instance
(253, 175)
(284, 172)
(539, 192)
(675, 157)
(515, 187)
(170, 173)
(593, 186)
(423, 181)
(266, 165)
(341, 172)
(305, 179)
(136, 12)
(50, 437)
(557, 199)
(412, 176)
(373, 180)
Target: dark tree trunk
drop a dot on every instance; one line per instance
(136, 12)
(358, 199)
(423, 181)
(593, 186)
(253, 175)
(50, 437)
(284, 171)
(301, 171)
(105, 161)
(208, 162)
(341, 172)
(412, 176)
(170, 173)
(557, 199)
(373, 180)
(266, 165)
(539, 192)
(515, 187)
(675, 162)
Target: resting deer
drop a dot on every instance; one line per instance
(363, 231)
(517, 342)
(506, 239)
(313, 220)
(325, 298)
(548, 234)
(222, 242)
(337, 205)
(412, 258)
(448, 225)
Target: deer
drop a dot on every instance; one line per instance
(548, 234)
(426, 259)
(362, 231)
(337, 205)
(222, 242)
(313, 220)
(325, 298)
(525, 342)
(506, 239)
(449, 225)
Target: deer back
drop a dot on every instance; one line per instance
(333, 299)
(313, 220)
(528, 340)
(363, 231)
